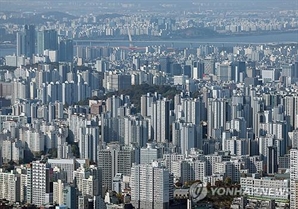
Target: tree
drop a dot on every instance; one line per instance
(66, 105)
(120, 198)
(136, 91)
(38, 154)
(208, 186)
(75, 150)
(228, 181)
(53, 152)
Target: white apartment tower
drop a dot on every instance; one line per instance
(188, 170)
(88, 142)
(217, 115)
(10, 186)
(146, 105)
(58, 188)
(40, 183)
(150, 186)
(294, 178)
(187, 139)
(160, 120)
(150, 153)
(136, 130)
(116, 159)
(88, 180)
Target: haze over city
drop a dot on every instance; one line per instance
(135, 104)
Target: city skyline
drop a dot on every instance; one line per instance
(148, 105)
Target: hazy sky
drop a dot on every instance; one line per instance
(82, 6)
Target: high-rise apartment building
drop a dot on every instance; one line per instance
(271, 160)
(115, 81)
(88, 180)
(116, 159)
(217, 116)
(209, 65)
(39, 183)
(184, 137)
(68, 165)
(161, 120)
(88, 142)
(58, 187)
(12, 151)
(150, 153)
(10, 186)
(151, 186)
(47, 40)
(165, 64)
(26, 41)
(146, 104)
(294, 178)
(104, 162)
(136, 130)
(188, 170)
(224, 72)
(66, 50)
(70, 196)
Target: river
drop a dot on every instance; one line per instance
(219, 41)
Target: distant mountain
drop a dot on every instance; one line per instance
(81, 7)
(56, 15)
(40, 18)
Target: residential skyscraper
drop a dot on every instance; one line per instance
(165, 64)
(209, 65)
(146, 104)
(68, 165)
(136, 130)
(116, 159)
(66, 50)
(217, 116)
(160, 120)
(150, 186)
(294, 178)
(150, 153)
(10, 186)
(88, 180)
(26, 41)
(189, 169)
(104, 162)
(88, 142)
(272, 160)
(40, 184)
(224, 72)
(47, 39)
(70, 196)
(58, 192)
